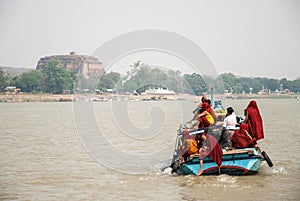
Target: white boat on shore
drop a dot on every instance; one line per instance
(159, 91)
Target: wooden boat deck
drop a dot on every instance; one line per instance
(229, 152)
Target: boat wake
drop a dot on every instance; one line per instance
(279, 170)
(163, 167)
(224, 178)
(167, 170)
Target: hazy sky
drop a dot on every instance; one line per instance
(248, 38)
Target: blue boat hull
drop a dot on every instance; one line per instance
(238, 162)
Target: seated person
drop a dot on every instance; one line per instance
(242, 139)
(206, 117)
(189, 147)
(196, 111)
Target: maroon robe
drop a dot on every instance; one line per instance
(206, 107)
(203, 122)
(240, 139)
(214, 150)
(254, 121)
(186, 135)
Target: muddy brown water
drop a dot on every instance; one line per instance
(44, 153)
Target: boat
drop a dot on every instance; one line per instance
(65, 99)
(219, 109)
(159, 91)
(234, 161)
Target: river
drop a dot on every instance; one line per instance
(115, 151)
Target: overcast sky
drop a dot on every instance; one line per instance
(254, 38)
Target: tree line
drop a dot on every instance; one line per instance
(53, 78)
(141, 74)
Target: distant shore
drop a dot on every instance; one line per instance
(28, 97)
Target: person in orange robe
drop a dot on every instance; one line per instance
(189, 146)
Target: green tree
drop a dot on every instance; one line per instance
(194, 84)
(284, 83)
(229, 80)
(129, 86)
(90, 83)
(238, 87)
(57, 79)
(3, 80)
(142, 75)
(158, 76)
(31, 81)
(15, 81)
(109, 81)
(294, 85)
(174, 81)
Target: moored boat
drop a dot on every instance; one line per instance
(65, 99)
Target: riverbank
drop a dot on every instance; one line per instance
(27, 97)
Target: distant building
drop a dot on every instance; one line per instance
(286, 91)
(83, 64)
(263, 92)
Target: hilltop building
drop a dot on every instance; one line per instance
(83, 64)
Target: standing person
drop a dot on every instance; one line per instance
(210, 147)
(254, 120)
(228, 128)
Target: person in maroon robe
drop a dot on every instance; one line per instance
(242, 139)
(207, 107)
(254, 121)
(210, 147)
(203, 122)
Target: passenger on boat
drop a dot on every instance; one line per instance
(191, 124)
(254, 121)
(210, 147)
(189, 147)
(196, 111)
(242, 139)
(228, 128)
(206, 117)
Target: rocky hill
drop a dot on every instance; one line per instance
(83, 64)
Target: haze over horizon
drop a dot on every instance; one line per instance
(247, 38)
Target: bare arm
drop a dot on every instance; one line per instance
(246, 116)
(248, 134)
(203, 114)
